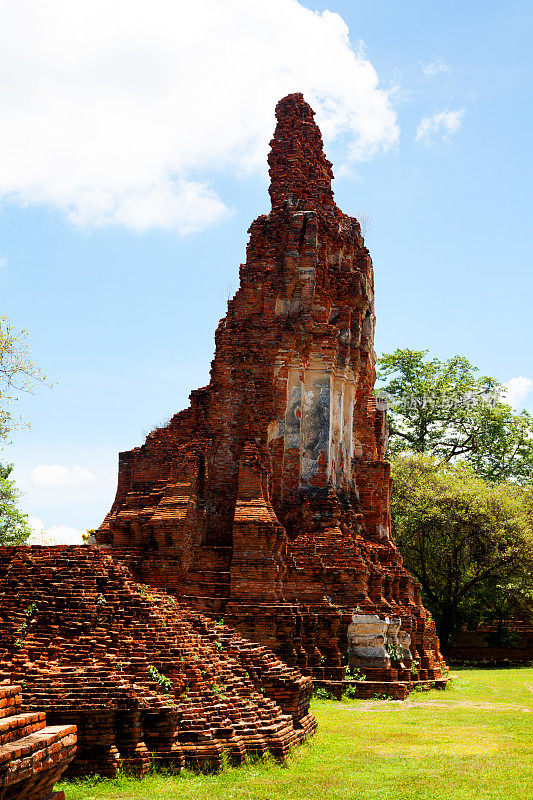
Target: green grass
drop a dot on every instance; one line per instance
(471, 742)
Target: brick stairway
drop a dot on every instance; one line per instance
(33, 755)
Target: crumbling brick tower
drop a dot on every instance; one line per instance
(267, 500)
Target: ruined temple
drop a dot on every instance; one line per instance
(143, 679)
(267, 500)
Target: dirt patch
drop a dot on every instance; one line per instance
(372, 705)
(471, 704)
(377, 705)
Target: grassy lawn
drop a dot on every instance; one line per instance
(475, 740)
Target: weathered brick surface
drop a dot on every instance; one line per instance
(378, 690)
(479, 646)
(82, 640)
(268, 498)
(33, 755)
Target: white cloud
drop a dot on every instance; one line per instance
(442, 125)
(516, 391)
(56, 534)
(434, 67)
(3, 261)
(53, 475)
(115, 112)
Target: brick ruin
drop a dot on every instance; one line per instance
(33, 755)
(507, 643)
(267, 500)
(143, 678)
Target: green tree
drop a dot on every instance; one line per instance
(443, 408)
(502, 599)
(14, 528)
(18, 374)
(460, 536)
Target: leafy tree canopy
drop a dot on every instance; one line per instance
(443, 408)
(14, 528)
(17, 373)
(465, 539)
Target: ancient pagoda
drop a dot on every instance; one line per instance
(267, 500)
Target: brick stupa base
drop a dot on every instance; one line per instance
(93, 649)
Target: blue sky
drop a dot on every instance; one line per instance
(133, 162)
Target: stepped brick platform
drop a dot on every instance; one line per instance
(33, 755)
(369, 690)
(142, 677)
(267, 500)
